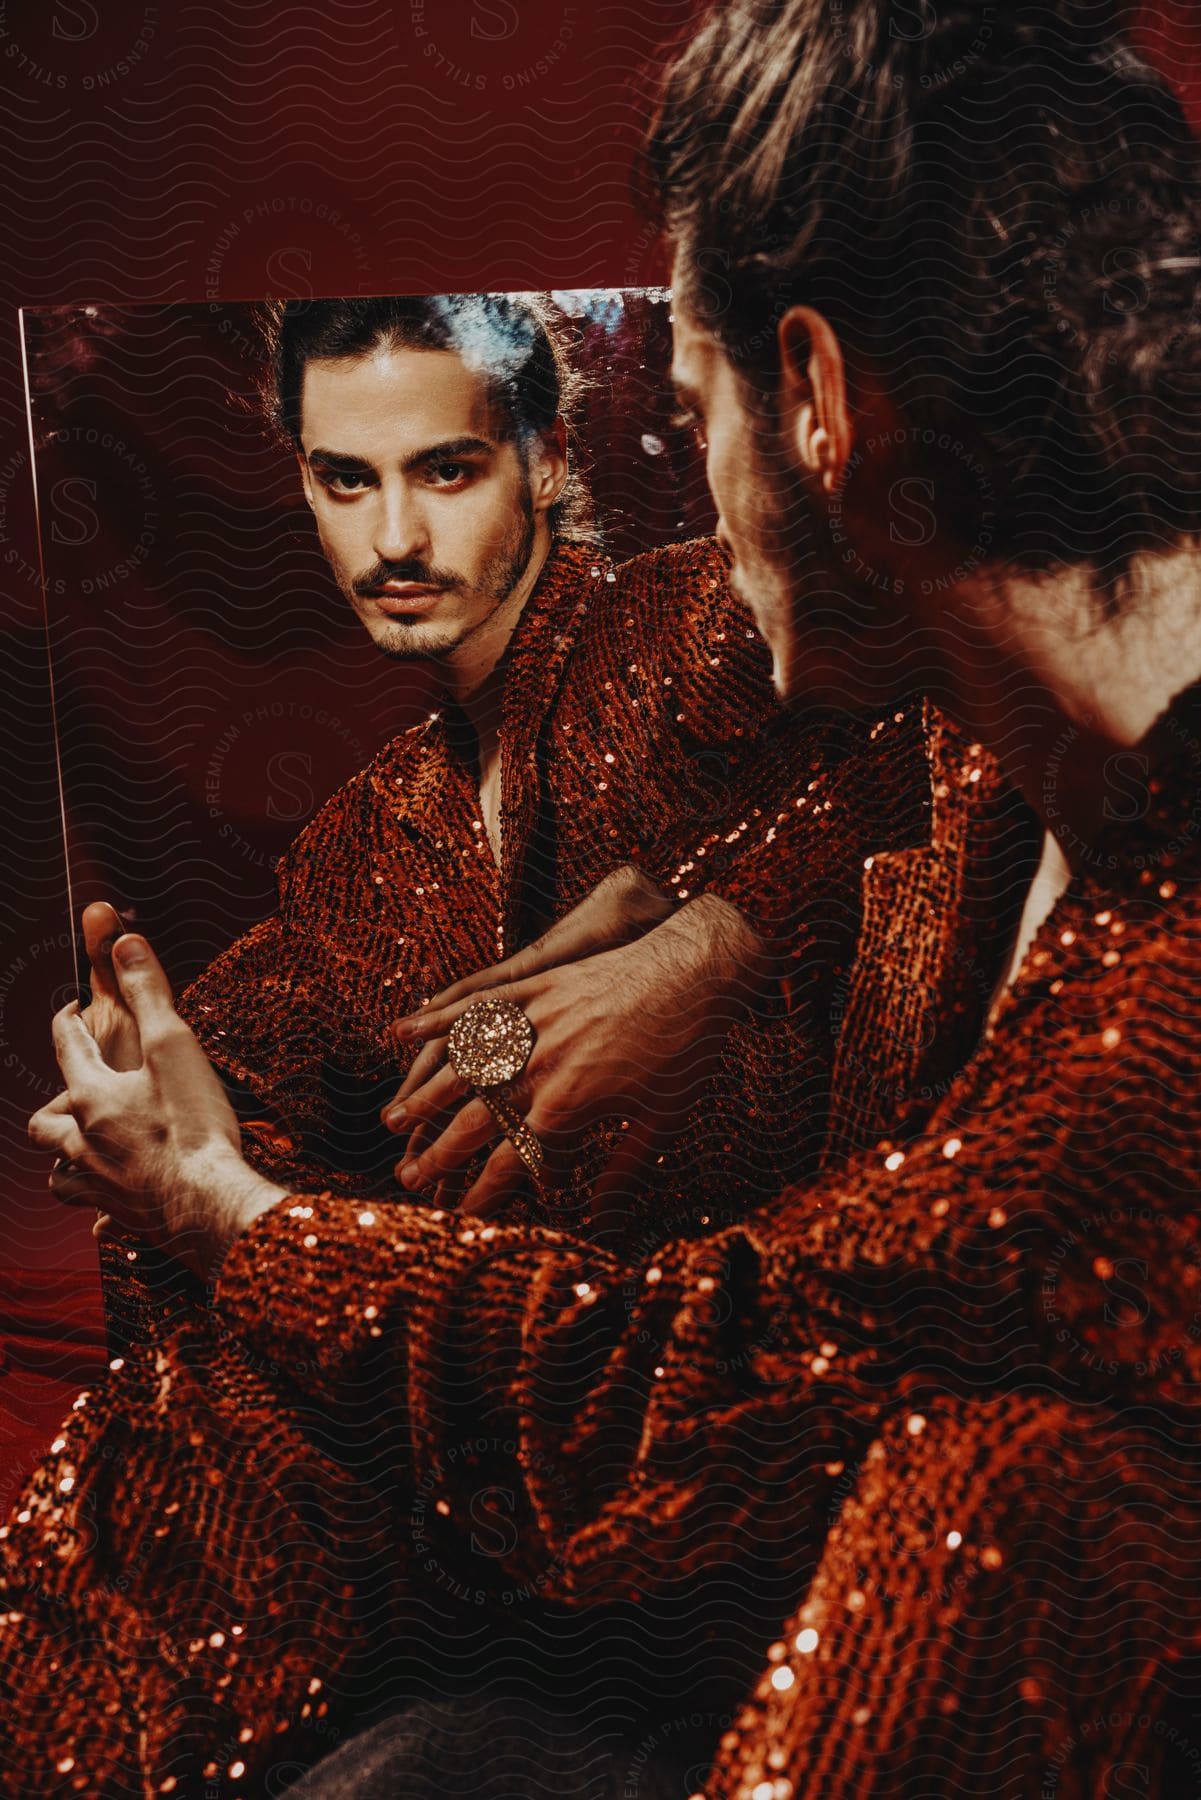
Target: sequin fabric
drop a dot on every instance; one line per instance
(639, 726)
(203, 1569)
(951, 1385)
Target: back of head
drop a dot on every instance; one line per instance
(996, 206)
(514, 341)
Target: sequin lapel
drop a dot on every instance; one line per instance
(934, 924)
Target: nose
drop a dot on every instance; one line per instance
(400, 528)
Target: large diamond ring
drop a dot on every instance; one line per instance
(490, 1044)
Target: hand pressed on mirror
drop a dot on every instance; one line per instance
(622, 1029)
(149, 1136)
(106, 1016)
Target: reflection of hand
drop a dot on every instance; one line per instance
(633, 1031)
(620, 908)
(156, 1143)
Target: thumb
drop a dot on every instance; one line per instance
(101, 928)
(144, 987)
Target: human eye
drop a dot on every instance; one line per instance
(447, 472)
(342, 483)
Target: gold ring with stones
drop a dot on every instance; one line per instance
(488, 1045)
(523, 1140)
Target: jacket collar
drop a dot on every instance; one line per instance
(934, 909)
(1155, 808)
(426, 782)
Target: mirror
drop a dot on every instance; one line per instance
(212, 686)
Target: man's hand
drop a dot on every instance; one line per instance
(622, 907)
(106, 1016)
(155, 1144)
(632, 1032)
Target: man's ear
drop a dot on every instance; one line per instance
(306, 479)
(813, 387)
(548, 467)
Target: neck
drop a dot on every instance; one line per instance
(1059, 690)
(473, 675)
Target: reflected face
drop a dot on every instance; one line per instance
(425, 511)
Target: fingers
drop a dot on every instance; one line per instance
(73, 1186)
(418, 1139)
(436, 1019)
(624, 905)
(501, 974)
(57, 1131)
(69, 1180)
(425, 1064)
(472, 1127)
(78, 1053)
(433, 1021)
(496, 975)
(427, 1104)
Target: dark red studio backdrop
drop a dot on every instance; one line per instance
(207, 153)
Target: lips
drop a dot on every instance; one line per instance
(405, 596)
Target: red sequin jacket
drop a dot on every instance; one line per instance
(639, 724)
(951, 1384)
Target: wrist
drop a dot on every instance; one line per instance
(222, 1196)
(728, 947)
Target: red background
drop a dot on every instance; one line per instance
(218, 151)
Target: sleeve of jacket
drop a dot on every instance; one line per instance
(660, 1417)
(266, 1009)
(657, 1414)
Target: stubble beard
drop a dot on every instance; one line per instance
(429, 642)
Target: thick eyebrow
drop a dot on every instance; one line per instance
(341, 463)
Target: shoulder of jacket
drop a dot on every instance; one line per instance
(337, 820)
(675, 568)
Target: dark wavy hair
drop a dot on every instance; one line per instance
(998, 205)
(516, 341)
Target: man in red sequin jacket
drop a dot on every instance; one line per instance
(952, 1382)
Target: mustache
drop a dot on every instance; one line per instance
(413, 570)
